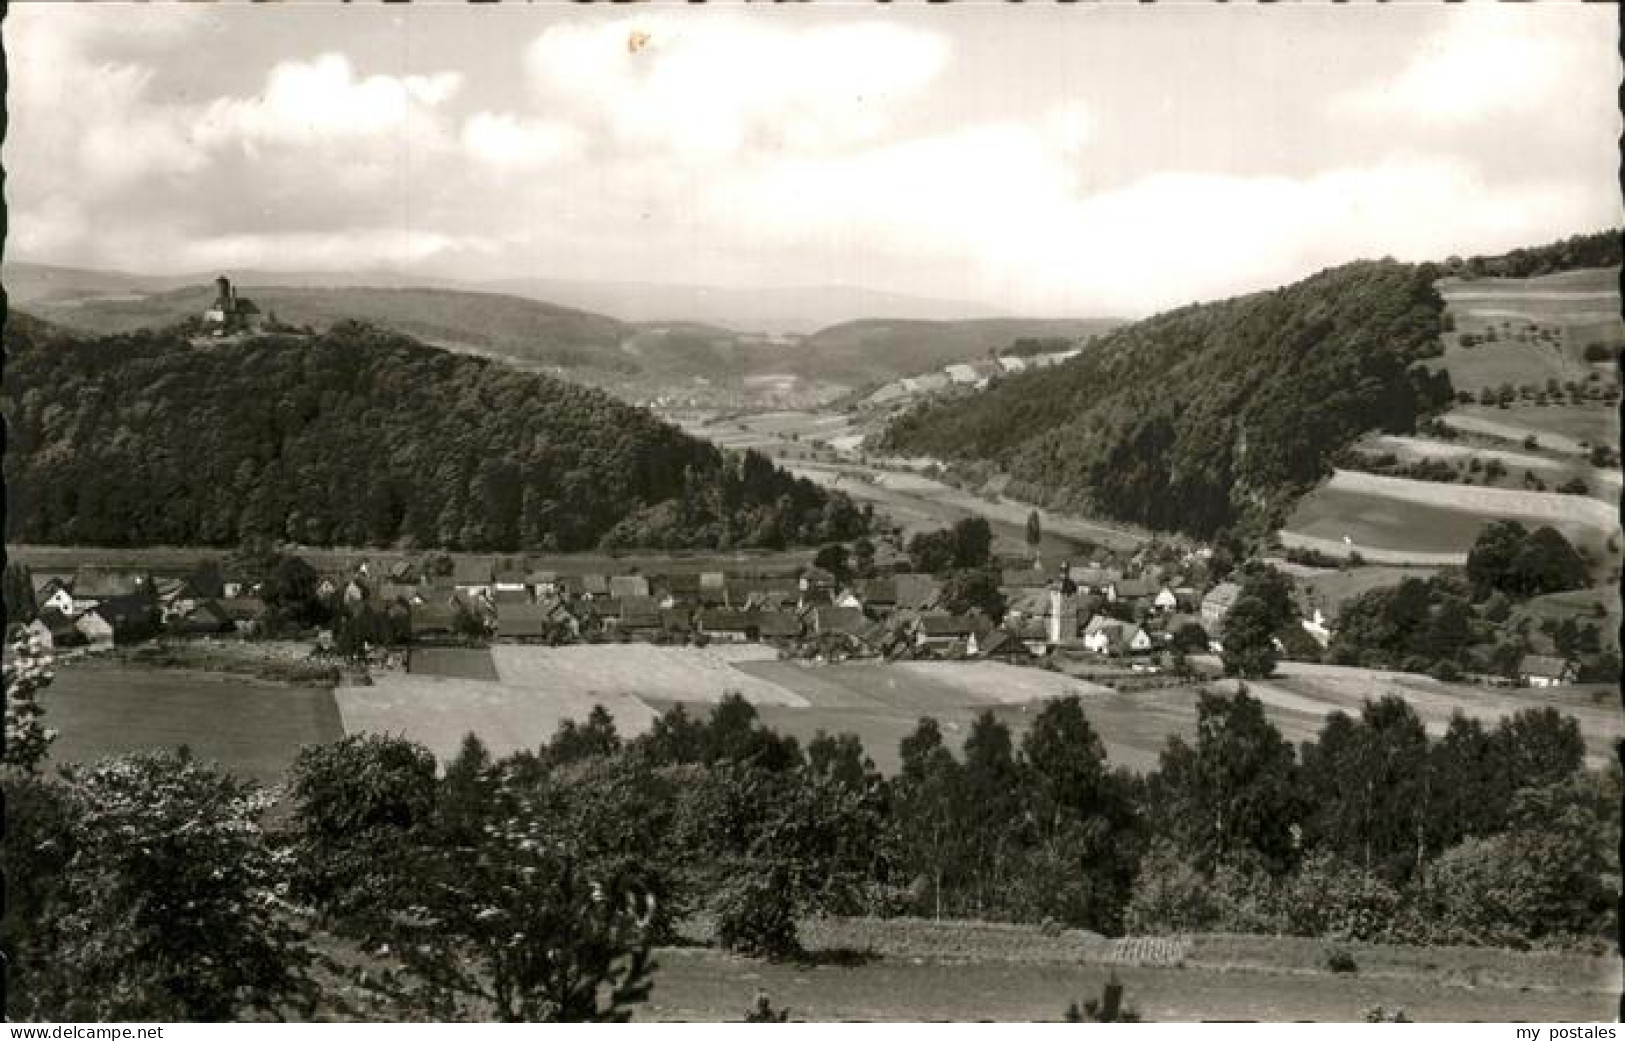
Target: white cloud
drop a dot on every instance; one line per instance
(323, 100)
(510, 142)
(1494, 61)
(715, 84)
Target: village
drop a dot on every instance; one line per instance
(1138, 622)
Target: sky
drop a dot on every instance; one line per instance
(1078, 160)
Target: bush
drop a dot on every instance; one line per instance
(756, 917)
(762, 1011)
(1172, 896)
(1332, 898)
(1340, 960)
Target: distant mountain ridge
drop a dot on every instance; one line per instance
(771, 309)
(674, 352)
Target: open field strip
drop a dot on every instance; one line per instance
(1006, 510)
(438, 711)
(1338, 587)
(1493, 364)
(668, 673)
(463, 663)
(1561, 430)
(1496, 502)
(1604, 484)
(1001, 683)
(1414, 448)
(1347, 522)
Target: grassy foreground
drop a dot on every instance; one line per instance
(910, 969)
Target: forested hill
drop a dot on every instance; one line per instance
(526, 331)
(1212, 415)
(360, 437)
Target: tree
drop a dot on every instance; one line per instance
(932, 552)
(1370, 788)
(811, 852)
(523, 923)
(1236, 791)
(926, 809)
(289, 592)
(1547, 563)
(834, 559)
(357, 804)
(17, 589)
(169, 908)
(1035, 533)
(1249, 638)
(1509, 558)
(597, 737)
(973, 542)
(974, 589)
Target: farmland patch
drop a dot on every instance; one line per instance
(669, 673)
(252, 727)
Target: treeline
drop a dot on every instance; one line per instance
(1212, 415)
(1600, 249)
(363, 437)
(442, 885)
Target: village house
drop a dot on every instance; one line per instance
(1105, 635)
(54, 594)
(94, 585)
(96, 630)
(1545, 670)
(426, 620)
(721, 625)
(916, 592)
(1024, 578)
(1166, 601)
(206, 618)
(62, 627)
(845, 621)
(1091, 579)
(525, 620)
(627, 587)
(1131, 591)
(473, 576)
(941, 631)
(962, 373)
(1004, 645)
(1217, 603)
(777, 626)
(510, 597)
(877, 595)
(247, 613)
(176, 597)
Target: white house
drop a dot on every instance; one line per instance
(97, 631)
(1166, 600)
(54, 594)
(1106, 635)
(1544, 670)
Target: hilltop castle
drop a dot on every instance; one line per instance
(231, 313)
